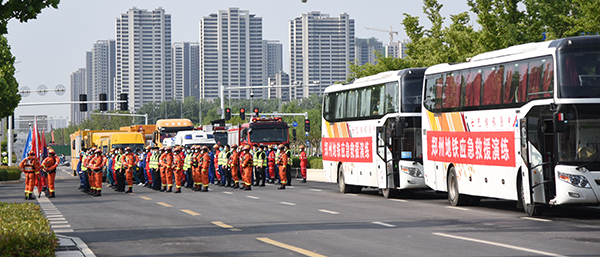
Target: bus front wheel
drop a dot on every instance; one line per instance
(454, 196)
(530, 209)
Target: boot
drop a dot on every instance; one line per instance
(52, 195)
(243, 187)
(26, 196)
(303, 180)
(130, 190)
(178, 191)
(170, 190)
(205, 189)
(248, 188)
(262, 184)
(31, 197)
(282, 186)
(196, 188)
(97, 194)
(164, 188)
(236, 185)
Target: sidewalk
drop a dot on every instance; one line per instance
(72, 247)
(317, 175)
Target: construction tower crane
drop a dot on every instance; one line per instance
(391, 32)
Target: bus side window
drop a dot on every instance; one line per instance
(472, 96)
(535, 79)
(452, 91)
(492, 85)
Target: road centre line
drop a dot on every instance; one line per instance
(145, 198)
(289, 247)
(193, 213)
(221, 224)
(330, 212)
(536, 219)
(229, 193)
(164, 204)
(253, 197)
(501, 245)
(286, 203)
(384, 224)
(457, 208)
(398, 200)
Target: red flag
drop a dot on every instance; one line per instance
(34, 139)
(43, 146)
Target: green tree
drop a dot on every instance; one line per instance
(22, 10)
(381, 64)
(9, 96)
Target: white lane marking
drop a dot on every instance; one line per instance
(500, 244)
(290, 187)
(58, 222)
(253, 197)
(229, 193)
(61, 226)
(384, 224)
(286, 203)
(316, 190)
(54, 216)
(62, 230)
(457, 208)
(398, 200)
(330, 212)
(56, 219)
(351, 194)
(536, 219)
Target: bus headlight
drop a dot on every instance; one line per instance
(412, 171)
(575, 180)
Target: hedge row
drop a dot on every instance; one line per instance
(24, 231)
(9, 173)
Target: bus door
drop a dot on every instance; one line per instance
(388, 145)
(536, 149)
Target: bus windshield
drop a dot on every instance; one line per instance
(411, 140)
(220, 137)
(412, 87)
(579, 73)
(579, 141)
(266, 135)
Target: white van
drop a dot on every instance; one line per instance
(193, 137)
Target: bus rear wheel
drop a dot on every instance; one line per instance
(344, 189)
(454, 196)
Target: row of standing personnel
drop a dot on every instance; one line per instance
(196, 167)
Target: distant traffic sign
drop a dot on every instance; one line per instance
(295, 124)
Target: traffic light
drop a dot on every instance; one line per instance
(307, 125)
(103, 106)
(82, 103)
(228, 114)
(123, 106)
(255, 111)
(242, 113)
(294, 133)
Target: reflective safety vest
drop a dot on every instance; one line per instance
(118, 162)
(187, 162)
(260, 159)
(289, 154)
(83, 167)
(154, 161)
(222, 160)
(254, 156)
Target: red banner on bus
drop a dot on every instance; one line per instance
(481, 148)
(353, 149)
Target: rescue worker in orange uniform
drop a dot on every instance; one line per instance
(49, 166)
(217, 175)
(282, 163)
(271, 163)
(303, 163)
(169, 169)
(234, 163)
(205, 166)
(162, 167)
(129, 165)
(178, 168)
(31, 167)
(196, 168)
(247, 166)
(96, 165)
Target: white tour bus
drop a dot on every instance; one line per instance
(521, 123)
(371, 132)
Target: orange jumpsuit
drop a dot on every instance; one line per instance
(169, 169)
(88, 174)
(204, 172)
(303, 164)
(234, 162)
(178, 166)
(282, 162)
(196, 169)
(49, 165)
(31, 167)
(247, 165)
(128, 164)
(96, 165)
(162, 166)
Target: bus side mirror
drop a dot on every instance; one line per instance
(559, 122)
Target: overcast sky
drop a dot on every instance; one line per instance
(53, 46)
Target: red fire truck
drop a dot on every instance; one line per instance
(262, 131)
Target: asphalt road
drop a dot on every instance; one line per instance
(315, 219)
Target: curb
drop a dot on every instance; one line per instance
(74, 248)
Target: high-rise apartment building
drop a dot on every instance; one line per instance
(320, 49)
(78, 86)
(231, 54)
(144, 56)
(102, 73)
(273, 57)
(280, 79)
(365, 50)
(396, 49)
(186, 78)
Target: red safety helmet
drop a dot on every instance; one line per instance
(31, 153)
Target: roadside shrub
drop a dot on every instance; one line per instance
(24, 231)
(315, 162)
(9, 173)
